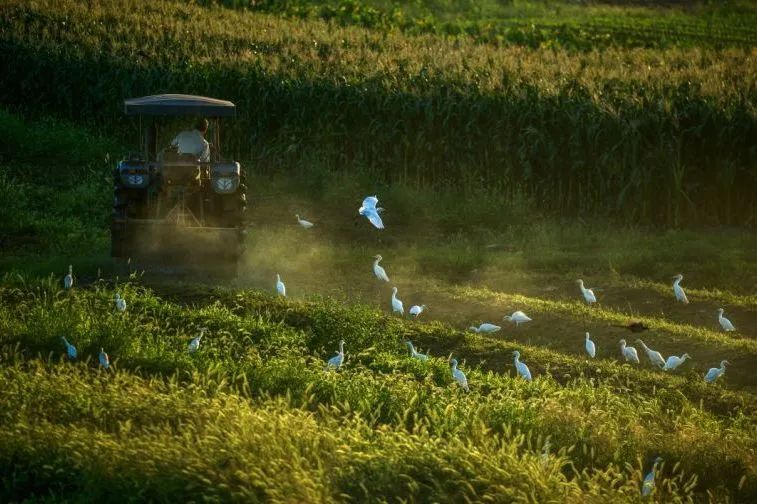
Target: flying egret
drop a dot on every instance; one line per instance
(104, 359)
(518, 317)
(591, 348)
(416, 310)
(674, 361)
(459, 376)
(194, 345)
(70, 349)
(715, 373)
(724, 322)
(678, 290)
(378, 270)
(648, 485)
(414, 353)
(655, 357)
(485, 328)
(120, 302)
(588, 293)
(337, 360)
(629, 352)
(396, 303)
(303, 222)
(521, 367)
(634, 326)
(280, 287)
(68, 280)
(369, 210)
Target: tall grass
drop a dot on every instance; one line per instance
(663, 136)
(260, 348)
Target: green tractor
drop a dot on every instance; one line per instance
(178, 208)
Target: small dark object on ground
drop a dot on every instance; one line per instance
(634, 326)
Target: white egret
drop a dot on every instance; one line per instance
(414, 353)
(120, 302)
(459, 376)
(280, 287)
(485, 328)
(655, 357)
(629, 352)
(337, 360)
(369, 210)
(378, 270)
(68, 280)
(591, 348)
(104, 359)
(416, 310)
(397, 306)
(194, 345)
(648, 485)
(70, 349)
(521, 367)
(674, 361)
(678, 290)
(715, 373)
(302, 222)
(724, 322)
(518, 317)
(588, 293)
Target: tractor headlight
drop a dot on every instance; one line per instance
(225, 177)
(133, 175)
(135, 180)
(225, 184)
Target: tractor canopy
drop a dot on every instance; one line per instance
(179, 105)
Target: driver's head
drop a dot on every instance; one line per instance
(202, 125)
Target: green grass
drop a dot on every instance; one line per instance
(262, 365)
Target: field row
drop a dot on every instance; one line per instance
(612, 414)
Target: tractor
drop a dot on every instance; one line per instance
(175, 207)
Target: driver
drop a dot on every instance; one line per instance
(193, 141)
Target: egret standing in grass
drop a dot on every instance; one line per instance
(68, 280)
(378, 270)
(120, 302)
(414, 353)
(369, 210)
(416, 310)
(674, 361)
(337, 360)
(521, 366)
(518, 317)
(648, 485)
(678, 290)
(280, 287)
(397, 306)
(194, 345)
(104, 359)
(588, 293)
(459, 376)
(629, 352)
(655, 357)
(715, 373)
(70, 349)
(724, 322)
(302, 222)
(591, 348)
(486, 327)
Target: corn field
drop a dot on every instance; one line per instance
(663, 136)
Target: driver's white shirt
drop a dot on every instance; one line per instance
(192, 142)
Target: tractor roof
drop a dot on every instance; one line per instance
(179, 104)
